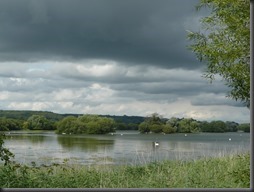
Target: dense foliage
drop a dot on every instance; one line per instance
(188, 125)
(153, 123)
(127, 120)
(244, 127)
(224, 44)
(24, 115)
(214, 126)
(156, 124)
(5, 154)
(38, 122)
(123, 122)
(90, 124)
(7, 124)
(124, 126)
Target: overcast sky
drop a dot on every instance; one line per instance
(116, 57)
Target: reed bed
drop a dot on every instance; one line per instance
(226, 171)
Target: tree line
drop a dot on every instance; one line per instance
(156, 124)
(95, 124)
(90, 124)
(25, 114)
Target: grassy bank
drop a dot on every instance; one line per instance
(224, 172)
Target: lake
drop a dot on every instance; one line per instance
(122, 147)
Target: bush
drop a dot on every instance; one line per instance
(244, 127)
(39, 122)
(143, 127)
(168, 129)
(156, 128)
(214, 126)
(7, 124)
(91, 124)
(5, 154)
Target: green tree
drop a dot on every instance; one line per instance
(188, 125)
(216, 126)
(98, 125)
(154, 118)
(93, 127)
(244, 127)
(5, 154)
(7, 124)
(132, 126)
(231, 126)
(69, 125)
(90, 124)
(25, 125)
(39, 122)
(224, 44)
(3, 124)
(153, 123)
(174, 122)
(168, 128)
(144, 127)
(121, 126)
(107, 125)
(88, 118)
(204, 126)
(156, 128)
(195, 126)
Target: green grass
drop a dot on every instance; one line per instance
(223, 172)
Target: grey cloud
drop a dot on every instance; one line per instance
(172, 87)
(212, 99)
(144, 32)
(141, 96)
(18, 84)
(141, 84)
(36, 86)
(120, 74)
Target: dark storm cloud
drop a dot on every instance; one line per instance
(131, 32)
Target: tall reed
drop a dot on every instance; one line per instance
(230, 171)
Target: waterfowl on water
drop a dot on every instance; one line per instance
(156, 143)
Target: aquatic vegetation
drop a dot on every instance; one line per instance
(231, 171)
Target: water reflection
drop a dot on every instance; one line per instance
(122, 147)
(30, 138)
(85, 144)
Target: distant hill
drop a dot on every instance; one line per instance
(126, 119)
(25, 114)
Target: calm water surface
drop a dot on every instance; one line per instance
(123, 147)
